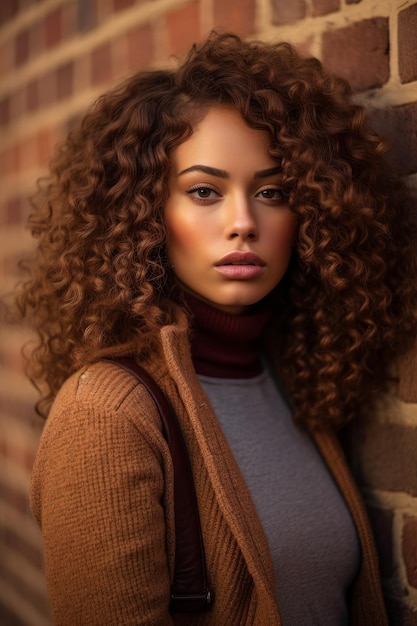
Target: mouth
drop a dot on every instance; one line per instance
(239, 265)
(239, 257)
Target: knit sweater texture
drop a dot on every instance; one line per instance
(102, 491)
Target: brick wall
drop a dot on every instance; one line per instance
(56, 56)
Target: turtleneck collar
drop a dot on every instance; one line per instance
(224, 345)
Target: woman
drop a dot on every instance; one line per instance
(232, 225)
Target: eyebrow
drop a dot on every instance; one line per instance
(214, 171)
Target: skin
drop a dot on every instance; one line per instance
(225, 196)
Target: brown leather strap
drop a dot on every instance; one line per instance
(190, 592)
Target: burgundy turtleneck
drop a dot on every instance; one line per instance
(224, 345)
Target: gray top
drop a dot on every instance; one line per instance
(312, 538)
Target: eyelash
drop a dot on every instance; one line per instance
(197, 188)
(282, 195)
(207, 188)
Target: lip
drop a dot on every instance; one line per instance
(239, 265)
(242, 258)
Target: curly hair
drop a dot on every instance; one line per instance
(101, 281)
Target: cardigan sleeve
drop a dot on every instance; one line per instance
(98, 494)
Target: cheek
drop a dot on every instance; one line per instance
(182, 237)
(283, 236)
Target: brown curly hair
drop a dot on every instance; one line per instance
(101, 281)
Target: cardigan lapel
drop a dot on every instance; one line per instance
(368, 579)
(228, 484)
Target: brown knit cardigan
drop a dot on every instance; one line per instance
(102, 491)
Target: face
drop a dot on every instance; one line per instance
(230, 232)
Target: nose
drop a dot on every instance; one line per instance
(241, 220)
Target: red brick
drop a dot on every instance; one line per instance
(121, 5)
(407, 49)
(381, 456)
(12, 159)
(32, 96)
(322, 7)
(101, 65)
(284, 12)
(409, 549)
(69, 20)
(17, 104)
(103, 11)
(86, 15)
(65, 80)
(3, 164)
(3, 62)
(21, 48)
(82, 73)
(8, 10)
(53, 28)
(28, 153)
(47, 89)
(399, 126)
(5, 111)
(381, 522)
(359, 53)
(45, 144)
(183, 28)
(13, 211)
(236, 15)
(140, 47)
(36, 39)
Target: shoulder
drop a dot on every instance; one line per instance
(103, 397)
(102, 384)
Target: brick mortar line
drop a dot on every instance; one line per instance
(347, 15)
(26, 184)
(148, 12)
(84, 43)
(8, 241)
(391, 500)
(8, 283)
(263, 15)
(23, 180)
(28, 17)
(393, 410)
(389, 95)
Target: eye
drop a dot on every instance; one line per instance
(272, 193)
(203, 193)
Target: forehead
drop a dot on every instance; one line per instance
(222, 138)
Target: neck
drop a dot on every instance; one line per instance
(225, 345)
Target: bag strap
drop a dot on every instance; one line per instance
(190, 592)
